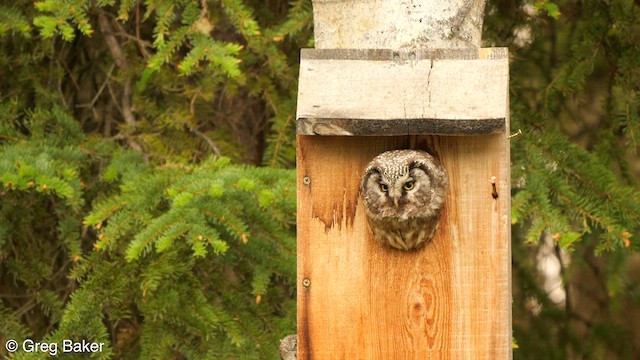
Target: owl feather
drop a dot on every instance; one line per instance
(403, 193)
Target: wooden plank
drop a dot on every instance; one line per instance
(393, 127)
(404, 54)
(372, 24)
(431, 86)
(357, 300)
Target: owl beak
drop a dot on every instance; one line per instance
(396, 199)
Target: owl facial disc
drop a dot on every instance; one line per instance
(403, 193)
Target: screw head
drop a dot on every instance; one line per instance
(306, 180)
(306, 282)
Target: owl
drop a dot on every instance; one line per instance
(403, 193)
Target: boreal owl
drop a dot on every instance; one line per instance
(403, 193)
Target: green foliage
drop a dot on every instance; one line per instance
(65, 17)
(165, 251)
(565, 189)
(171, 260)
(550, 8)
(12, 21)
(574, 96)
(211, 214)
(231, 67)
(50, 164)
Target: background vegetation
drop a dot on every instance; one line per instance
(146, 193)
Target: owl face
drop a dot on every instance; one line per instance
(400, 194)
(403, 193)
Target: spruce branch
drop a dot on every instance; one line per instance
(121, 62)
(207, 139)
(142, 44)
(112, 42)
(100, 90)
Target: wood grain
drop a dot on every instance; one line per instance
(417, 93)
(449, 300)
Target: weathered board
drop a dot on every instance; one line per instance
(449, 300)
(376, 24)
(446, 92)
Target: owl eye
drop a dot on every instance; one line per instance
(384, 187)
(409, 185)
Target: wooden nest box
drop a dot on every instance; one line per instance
(403, 75)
